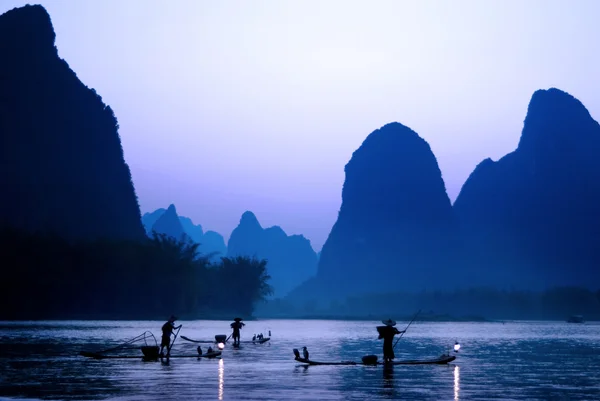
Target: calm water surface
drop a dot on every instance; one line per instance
(500, 361)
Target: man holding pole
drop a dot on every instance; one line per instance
(167, 330)
(387, 333)
(236, 326)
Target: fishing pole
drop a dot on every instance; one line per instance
(171, 346)
(413, 319)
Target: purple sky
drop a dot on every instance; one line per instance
(227, 106)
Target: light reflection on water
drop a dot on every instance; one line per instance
(221, 379)
(456, 382)
(516, 360)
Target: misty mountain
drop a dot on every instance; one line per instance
(213, 242)
(149, 218)
(63, 169)
(210, 241)
(291, 259)
(194, 231)
(532, 219)
(168, 223)
(396, 229)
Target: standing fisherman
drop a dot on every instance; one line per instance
(167, 330)
(236, 326)
(388, 332)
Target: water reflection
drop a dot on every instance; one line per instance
(388, 382)
(388, 376)
(221, 381)
(525, 361)
(456, 382)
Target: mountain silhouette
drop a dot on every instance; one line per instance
(396, 229)
(63, 170)
(213, 242)
(210, 242)
(168, 223)
(148, 219)
(194, 231)
(291, 259)
(532, 219)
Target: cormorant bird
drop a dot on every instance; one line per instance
(305, 352)
(199, 350)
(296, 353)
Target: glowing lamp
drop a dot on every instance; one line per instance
(456, 346)
(221, 346)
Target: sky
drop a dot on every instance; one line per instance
(235, 105)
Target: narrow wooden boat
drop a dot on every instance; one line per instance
(95, 355)
(149, 352)
(198, 341)
(309, 362)
(261, 341)
(442, 360)
(225, 341)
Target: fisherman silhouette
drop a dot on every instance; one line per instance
(236, 326)
(167, 330)
(387, 333)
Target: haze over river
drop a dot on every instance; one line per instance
(510, 360)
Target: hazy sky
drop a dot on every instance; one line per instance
(227, 106)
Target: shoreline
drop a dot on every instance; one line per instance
(428, 319)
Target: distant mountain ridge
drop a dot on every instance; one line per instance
(167, 221)
(291, 259)
(62, 162)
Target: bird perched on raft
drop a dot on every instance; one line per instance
(305, 352)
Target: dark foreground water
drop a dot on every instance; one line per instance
(514, 360)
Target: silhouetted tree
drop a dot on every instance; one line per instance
(247, 282)
(48, 277)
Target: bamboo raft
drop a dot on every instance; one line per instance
(225, 341)
(149, 356)
(149, 352)
(371, 360)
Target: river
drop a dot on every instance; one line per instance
(500, 361)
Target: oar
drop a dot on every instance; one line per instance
(171, 346)
(413, 319)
